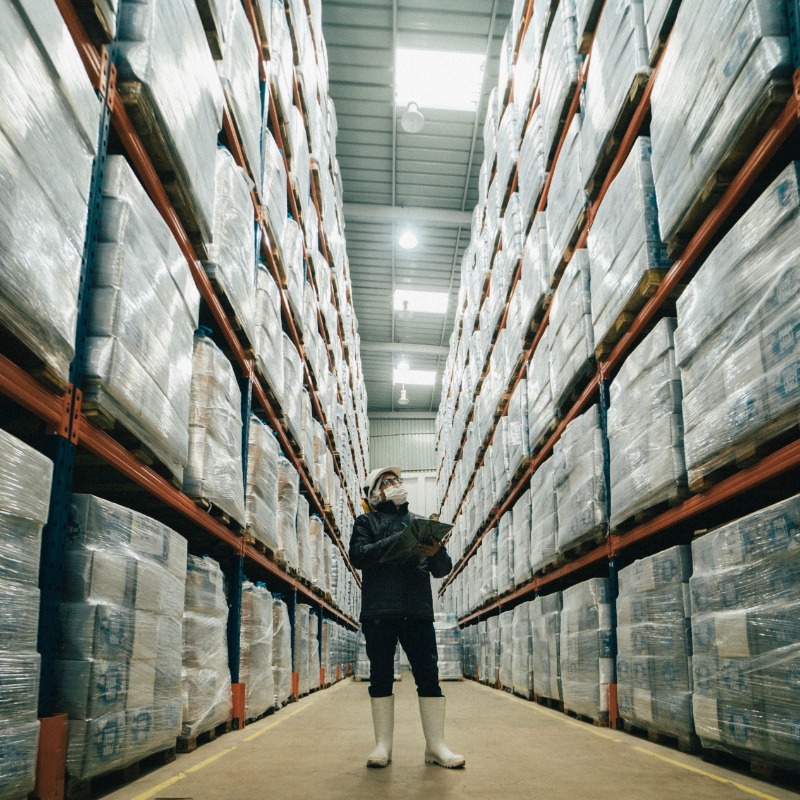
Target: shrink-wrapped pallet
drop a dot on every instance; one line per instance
(448, 646)
(745, 635)
(313, 650)
(506, 647)
(317, 539)
(300, 647)
(269, 331)
(587, 647)
(546, 635)
(293, 255)
(46, 150)
(521, 533)
(288, 498)
(238, 72)
(738, 341)
(532, 167)
(214, 471)
(626, 255)
(138, 366)
(299, 175)
(161, 44)
(255, 649)
(558, 75)
(118, 676)
(216, 18)
(571, 334)
(544, 516)
(580, 481)
(516, 429)
(292, 386)
(206, 674)
(505, 555)
(281, 63)
(654, 645)
(273, 191)
(659, 15)
(522, 651)
(281, 652)
(724, 78)
(25, 478)
(587, 13)
(526, 72)
(231, 261)
(645, 428)
(262, 484)
(303, 539)
(508, 135)
(619, 69)
(541, 411)
(566, 199)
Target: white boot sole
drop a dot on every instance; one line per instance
(453, 765)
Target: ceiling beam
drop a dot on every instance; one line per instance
(400, 347)
(401, 415)
(432, 217)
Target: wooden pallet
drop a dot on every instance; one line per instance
(188, 744)
(525, 695)
(146, 120)
(688, 743)
(562, 118)
(581, 549)
(558, 272)
(575, 387)
(645, 514)
(600, 721)
(776, 770)
(271, 710)
(33, 364)
(207, 9)
(230, 313)
(548, 702)
(221, 516)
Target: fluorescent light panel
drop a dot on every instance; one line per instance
(414, 377)
(438, 79)
(422, 302)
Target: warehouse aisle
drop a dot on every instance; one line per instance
(514, 749)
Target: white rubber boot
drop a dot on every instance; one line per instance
(383, 723)
(431, 710)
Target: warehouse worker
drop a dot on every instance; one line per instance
(397, 605)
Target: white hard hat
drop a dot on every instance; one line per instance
(375, 476)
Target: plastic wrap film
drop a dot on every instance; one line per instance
(645, 428)
(526, 72)
(559, 73)
(546, 635)
(587, 12)
(153, 55)
(281, 652)
(231, 263)
(281, 61)
(206, 675)
(619, 70)
(288, 496)
(314, 662)
(508, 136)
(292, 386)
(544, 516)
(587, 647)
(521, 534)
(45, 191)
(269, 330)
(522, 651)
(580, 481)
(626, 255)
(138, 362)
(299, 174)
(488, 570)
(505, 555)
(658, 18)
(532, 166)
(745, 636)
(300, 647)
(490, 126)
(506, 647)
(566, 199)
(238, 72)
(541, 20)
(214, 471)
(262, 485)
(654, 645)
(273, 192)
(571, 334)
(541, 411)
(303, 539)
(255, 649)
(738, 339)
(727, 63)
(118, 676)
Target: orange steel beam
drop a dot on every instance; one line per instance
(27, 392)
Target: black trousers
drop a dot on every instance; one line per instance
(418, 638)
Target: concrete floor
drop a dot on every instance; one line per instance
(316, 749)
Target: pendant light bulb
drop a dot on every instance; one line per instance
(412, 119)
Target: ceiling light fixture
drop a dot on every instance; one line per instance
(407, 240)
(438, 79)
(412, 120)
(403, 399)
(403, 366)
(413, 377)
(424, 302)
(404, 313)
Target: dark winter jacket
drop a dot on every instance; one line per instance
(392, 590)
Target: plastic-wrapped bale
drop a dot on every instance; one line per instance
(532, 167)
(617, 77)
(299, 174)
(566, 200)
(490, 126)
(161, 45)
(746, 636)
(521, 534)
(626, 255)
(517, 428)
(506, 644)
(741, 49)
(521, 659)
(300, 647)
(216, 18)
(317, 538)
(303, 539)
(508, 136)
(145, 306)
(269, 331)
(526, 72)
(273, 192)
(256, 644)
(587, 14)
(118, 676)
(544, 516)
(55, 127)
(645, 428)
(571, 334)
(587, 647)
(25, 478)
(288, 498)
(238, 72)
(580, 482)
(738, 338)
(262, 485)
(654, 645)
(313, 651)
(214, 472)
(281, 63)
(488, 569)
(659, 15)
(231, 261)
(505, 555)
(448, 645)
(292, 386)
(541, 412)
(546, 636)
(559, 74)
(493, 642)
(281, 652)
(206, 675)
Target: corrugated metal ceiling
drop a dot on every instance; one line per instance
(384, 166)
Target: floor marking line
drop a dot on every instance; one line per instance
(211, 760)
(152, 792)
(704, 773)
(278, 721)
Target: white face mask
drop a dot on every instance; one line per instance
(396, 494)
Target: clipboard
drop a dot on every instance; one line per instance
(419, 531)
